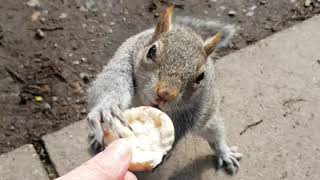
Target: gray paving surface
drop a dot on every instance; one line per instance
(22, 163)
(68, 147)
(277, 80)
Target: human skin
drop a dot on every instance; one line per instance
(110, 164)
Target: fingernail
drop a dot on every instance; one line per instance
(120, 148)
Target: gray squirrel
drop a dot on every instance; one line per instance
(167, 67)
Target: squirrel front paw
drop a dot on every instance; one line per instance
(229, 158)
(104, 117)
(96, 133)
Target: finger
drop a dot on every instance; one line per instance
(105, 117)
(109, 136)
(130, 176)
(238, 156)
(96, 146)
(231, 169)
(234, 148)
(235, 163)
(220, 162)
(119, 114)
(107, 120)
(229, 166)
(114, 161)
(111, 164)
(95, 128)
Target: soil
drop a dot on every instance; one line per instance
(50, 52)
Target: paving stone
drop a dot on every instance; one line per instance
(68, 147)
(22, 163)
(276, 80)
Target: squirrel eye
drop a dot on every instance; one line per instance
(200, 78)
(152, 53)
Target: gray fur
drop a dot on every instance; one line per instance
(209, 27)
(129, 79)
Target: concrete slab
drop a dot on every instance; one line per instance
(277, 80)
(68, 147)
(22, 163)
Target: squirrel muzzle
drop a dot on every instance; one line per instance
(166, 92)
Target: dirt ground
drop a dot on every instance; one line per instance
(51, 50)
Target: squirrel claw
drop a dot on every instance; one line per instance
(229, 157)
(116, 112)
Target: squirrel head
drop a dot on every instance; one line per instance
(171, 67)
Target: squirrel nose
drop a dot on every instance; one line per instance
(166, 94)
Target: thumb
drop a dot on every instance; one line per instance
(111, 164)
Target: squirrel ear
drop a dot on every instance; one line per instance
(211, 43)
(165, 22)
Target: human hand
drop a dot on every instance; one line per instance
(110, 164)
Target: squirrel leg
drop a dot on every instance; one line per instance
(213, 132)
(98, 119)
(107, 115)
